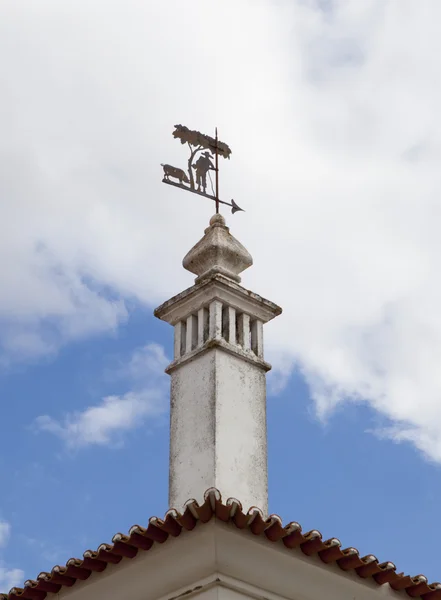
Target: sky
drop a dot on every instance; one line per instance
(331, 109)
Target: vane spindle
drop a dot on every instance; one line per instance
(217, 173)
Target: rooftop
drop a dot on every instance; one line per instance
(158, 531)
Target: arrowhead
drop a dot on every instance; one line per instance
(235, 208)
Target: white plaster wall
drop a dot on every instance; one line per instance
(218, 430)
(220, 591)
(241, 444)
(192, 431)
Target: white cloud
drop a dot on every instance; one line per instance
(10, 578)
(106, 422)
(333, 118)
(145, 363)
(5, 532)
(98, 424)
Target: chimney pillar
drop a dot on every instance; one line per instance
(218, 434)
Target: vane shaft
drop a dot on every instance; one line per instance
(217, 174)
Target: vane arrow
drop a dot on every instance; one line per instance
(234, 207)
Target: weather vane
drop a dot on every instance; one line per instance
(202, 147)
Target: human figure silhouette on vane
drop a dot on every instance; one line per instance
(202, 166)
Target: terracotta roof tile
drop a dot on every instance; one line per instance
(158, 531)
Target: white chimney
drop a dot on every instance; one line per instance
(218, 435)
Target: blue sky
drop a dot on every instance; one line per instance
(370, 493)
(331, 110)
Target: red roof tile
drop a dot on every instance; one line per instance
(158, 531)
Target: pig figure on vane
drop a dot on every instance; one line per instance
(170, 171)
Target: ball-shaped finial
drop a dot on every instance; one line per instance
(217, 219)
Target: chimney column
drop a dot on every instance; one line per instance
(218, 435)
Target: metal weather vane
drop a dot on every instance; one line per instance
(202, 147)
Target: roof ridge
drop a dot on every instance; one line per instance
(159, 530)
